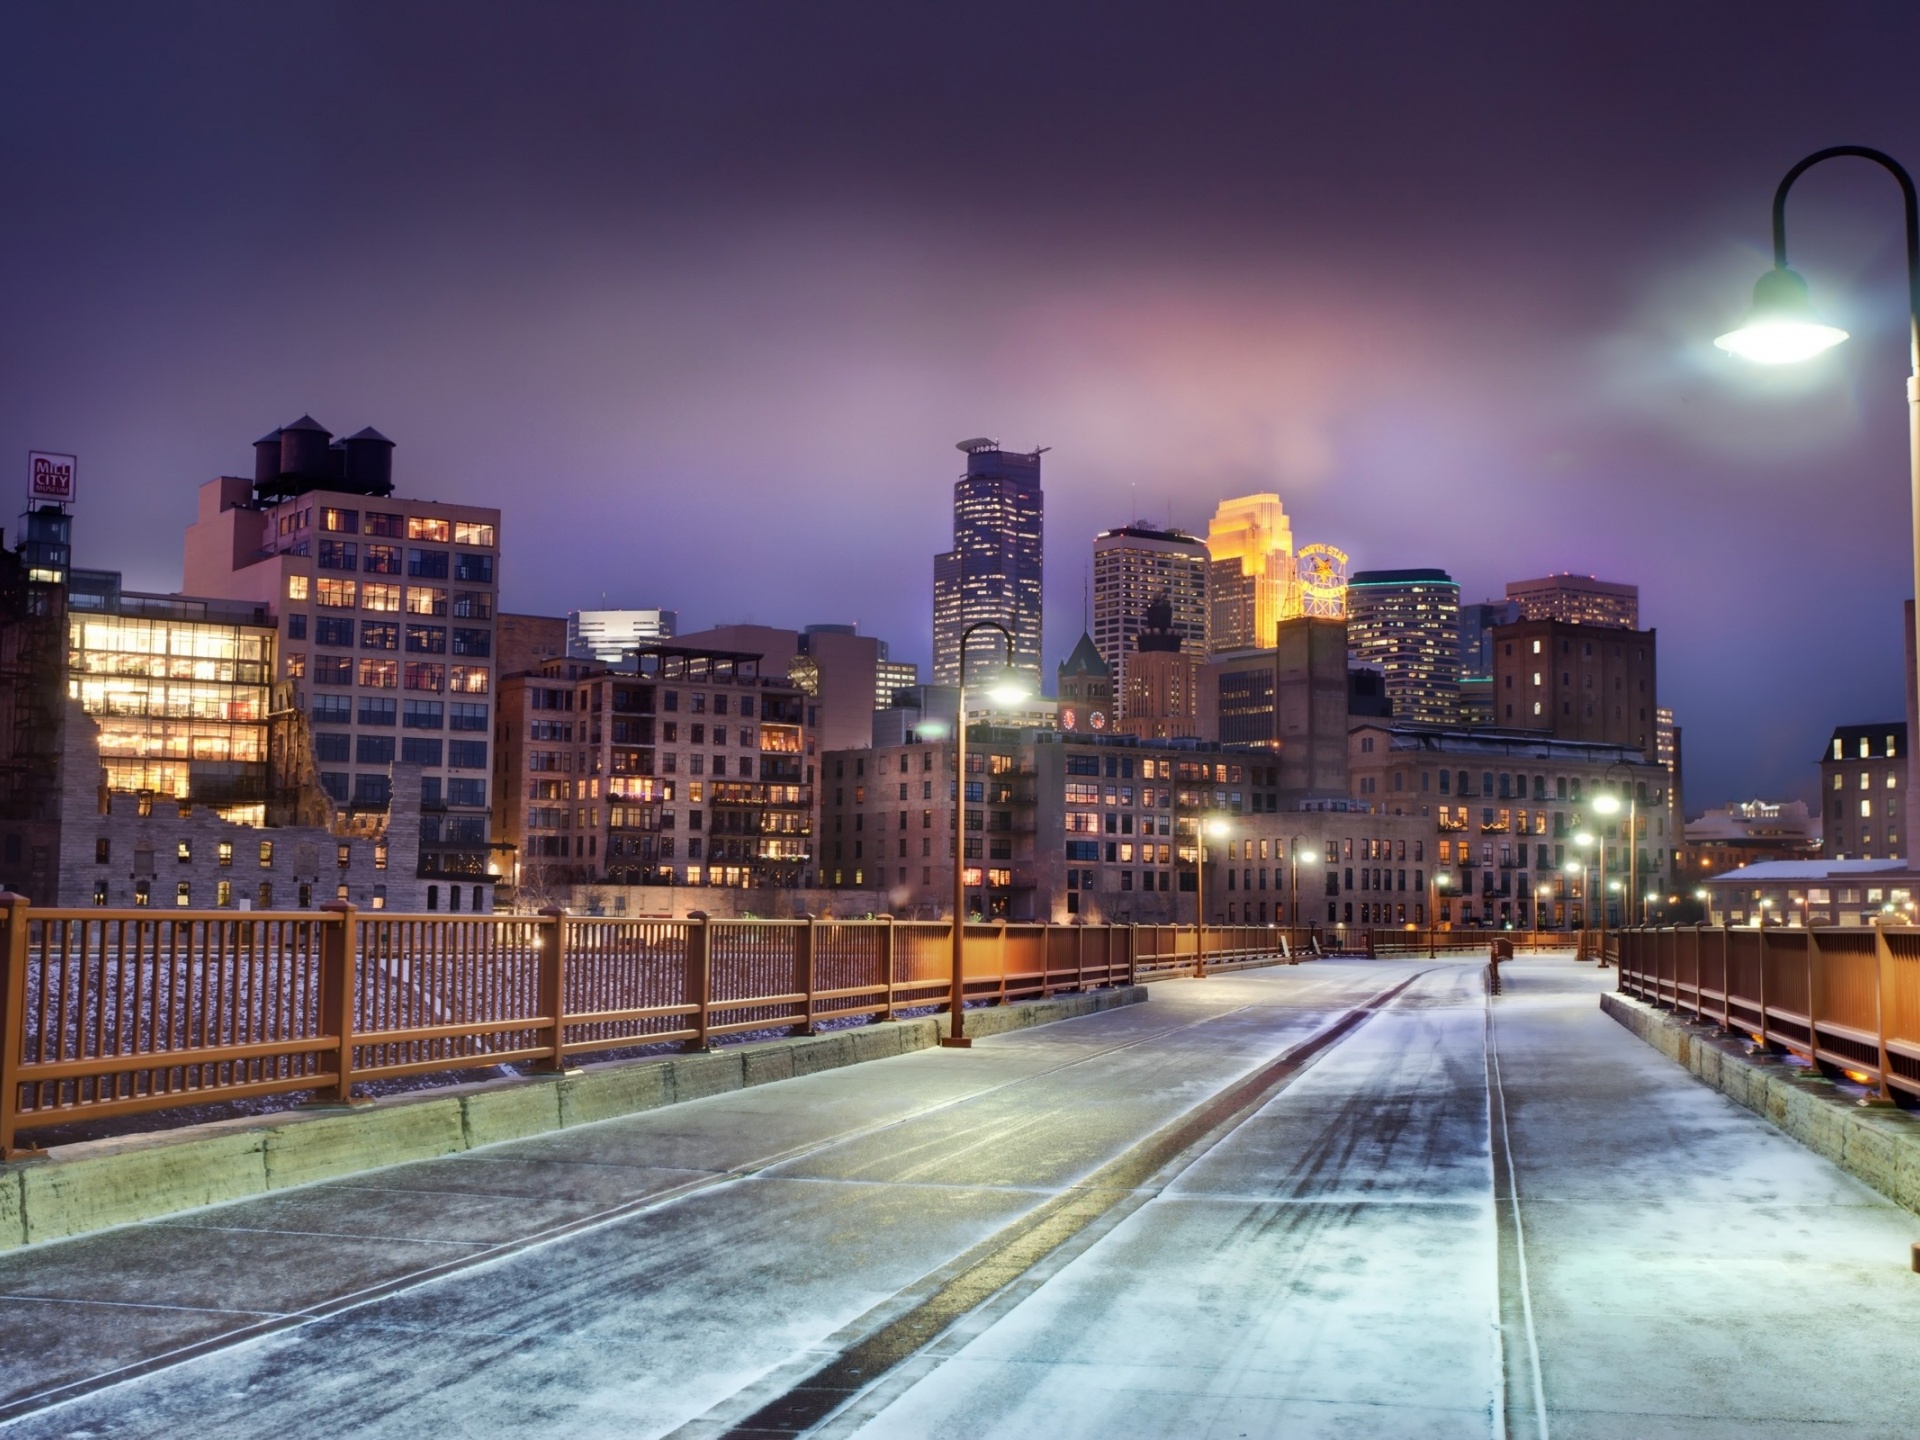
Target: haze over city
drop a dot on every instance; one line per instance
(728, 283)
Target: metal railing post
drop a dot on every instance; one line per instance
(699, 981)
(551, 930)
(339, 957)
(803, 976)
(1726, 978)
(13, 1013)
(1133, 954)
(887, 953)
(1760, 943)
(1882, 963)
(1813, 1020)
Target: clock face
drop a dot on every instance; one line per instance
(1097, 720)
(1068, 719)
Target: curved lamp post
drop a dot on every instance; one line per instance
(1007, 691)
(1782, 328)
(1437, 883)
(1215, 826)
(1573, 869)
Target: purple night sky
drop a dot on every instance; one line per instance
(702, 295)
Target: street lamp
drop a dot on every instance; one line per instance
(1608, 805)
(1781, 328)
(1006, 690)
(1293, 877)
(1215, 826)
(1705, 897)
(1633, 828)
(1575, 868)
(1439, 881)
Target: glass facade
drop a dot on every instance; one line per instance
(993, 570)
(181, 703)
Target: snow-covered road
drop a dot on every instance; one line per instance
(1446, 1220)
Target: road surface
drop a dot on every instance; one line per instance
(1347, 1198)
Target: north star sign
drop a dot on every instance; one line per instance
(50, 477)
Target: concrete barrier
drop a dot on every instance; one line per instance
(1876, 1144)
(94, 1184)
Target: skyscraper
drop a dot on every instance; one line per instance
(1133, 567)
(993, 570)
(1406, 623)
(606, 635)
(1251, 587)
(1578, 600)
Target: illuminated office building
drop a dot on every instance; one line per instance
(1133, 567)
(993, 571)
(1252, 582)
(1406, 624)
(1577, 600)
(385, 613)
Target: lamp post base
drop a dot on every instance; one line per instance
(956, 1042)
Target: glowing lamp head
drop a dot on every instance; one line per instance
(1607, 804)
(1216, 827)
(1007, 690)
(1781, 328)
(1443, 880)
(1583, 838)
(1572, 867)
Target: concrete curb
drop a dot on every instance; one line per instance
(99, 1183)
(1876, 1145)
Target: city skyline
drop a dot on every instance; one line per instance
(682, 327)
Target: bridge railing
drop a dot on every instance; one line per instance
(106, 1013)
(1843, 998)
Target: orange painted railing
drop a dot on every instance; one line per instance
(1845, 998)
(105, 1013)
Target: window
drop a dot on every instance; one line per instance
(183, 894)
(333, 632)
(421, 675)
(266, 854)
(223, 893)
(467, 754)
(427, 564)
(334, 782)
(338, 555)
(425, 527)
(381, 560)
(345, 522)
(374, 710)
(380, 860)
(426, 600)
(474, 569)
(467, 680)
(296, 627)
(335, 594)
(423, 715)
(472, 532)
(472, 605)
(333, 709)
(380, 674)
(378, 595)
(99, 892)
(264, 895)
(381, 523)
(467, 792)
(373, 750)
(297, 590)
(472, 642)
(373, 790)
(142, 892)
(427, 639)
(379, 635)
(102, 851)
(379, 900)
(420, 751)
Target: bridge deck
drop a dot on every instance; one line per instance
(1160, 1220)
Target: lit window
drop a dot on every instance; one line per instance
(296, 587)
(183, 894)
(378, 595)
(422, 527)
(226, 852)
(1866, 809)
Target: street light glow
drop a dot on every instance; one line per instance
(1607, 804)
(1007, 692)
(1216, 827)
(1583, 838)
(1781, 328)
